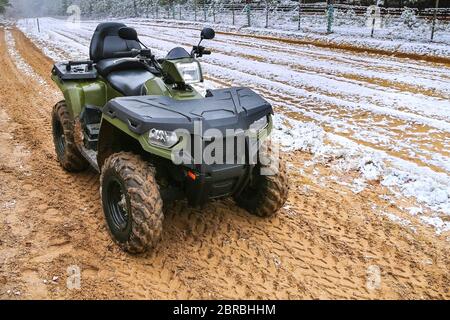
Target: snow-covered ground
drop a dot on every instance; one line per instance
(386, 118)
(347, 36)
(395, 30)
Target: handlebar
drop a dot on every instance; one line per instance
(200, 51)
(145, 53)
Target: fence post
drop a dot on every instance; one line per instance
(248, 9)
(38, 25)
(330, 14)
(373, 23)
(204, 10)
(179, 7)
(299, 15)
(195, 10)
(267, 13)
(232, 11)
(434, 20)
(214, 11)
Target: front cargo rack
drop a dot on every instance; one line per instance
(75, 70)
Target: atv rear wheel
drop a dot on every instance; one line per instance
(131, 202)
(63, 136)
(266, 194)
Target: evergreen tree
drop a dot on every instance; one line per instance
(3, 5)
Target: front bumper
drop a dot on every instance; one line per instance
(213, 182)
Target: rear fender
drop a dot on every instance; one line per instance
(81, 93)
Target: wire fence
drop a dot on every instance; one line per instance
(392, 23)
(333, 17)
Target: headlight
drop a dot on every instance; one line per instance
(190, 72)
(165, 139)
(260, 124)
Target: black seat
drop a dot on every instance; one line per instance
(130, 82)
(107, 66)
(106, 42)
(126, 75)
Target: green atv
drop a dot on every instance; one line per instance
(146, 125)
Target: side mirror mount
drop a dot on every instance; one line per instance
(127, 33)
(208, 34)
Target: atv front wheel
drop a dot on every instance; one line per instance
(266, 194)
(63, 136)
(131, 202)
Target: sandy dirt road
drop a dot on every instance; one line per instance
(326, 243)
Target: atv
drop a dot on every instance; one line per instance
(141, 122)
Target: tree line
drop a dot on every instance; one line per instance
(4, 4)
(135, 8)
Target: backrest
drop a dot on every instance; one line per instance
(106, 42)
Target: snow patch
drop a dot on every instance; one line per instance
(401, 221)
(437, 223)
(400, 177)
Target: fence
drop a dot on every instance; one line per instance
(392, 23)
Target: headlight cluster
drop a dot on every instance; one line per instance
(168, 139)
(165, 139)
(190, 72)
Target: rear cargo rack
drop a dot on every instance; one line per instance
(75, 70)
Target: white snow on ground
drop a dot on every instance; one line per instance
(343, 36)
(330, 103)
(401, 221)
(402, 177)
(437, 223)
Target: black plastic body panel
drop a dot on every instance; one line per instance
(78, 70)
(233, 108)
(177, 53)
(90, 119)
(221, 181)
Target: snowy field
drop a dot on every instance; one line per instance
(388, 119)
(409, 41)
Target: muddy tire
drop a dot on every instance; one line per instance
(266, 194)
(63, 137)
(131, 202)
